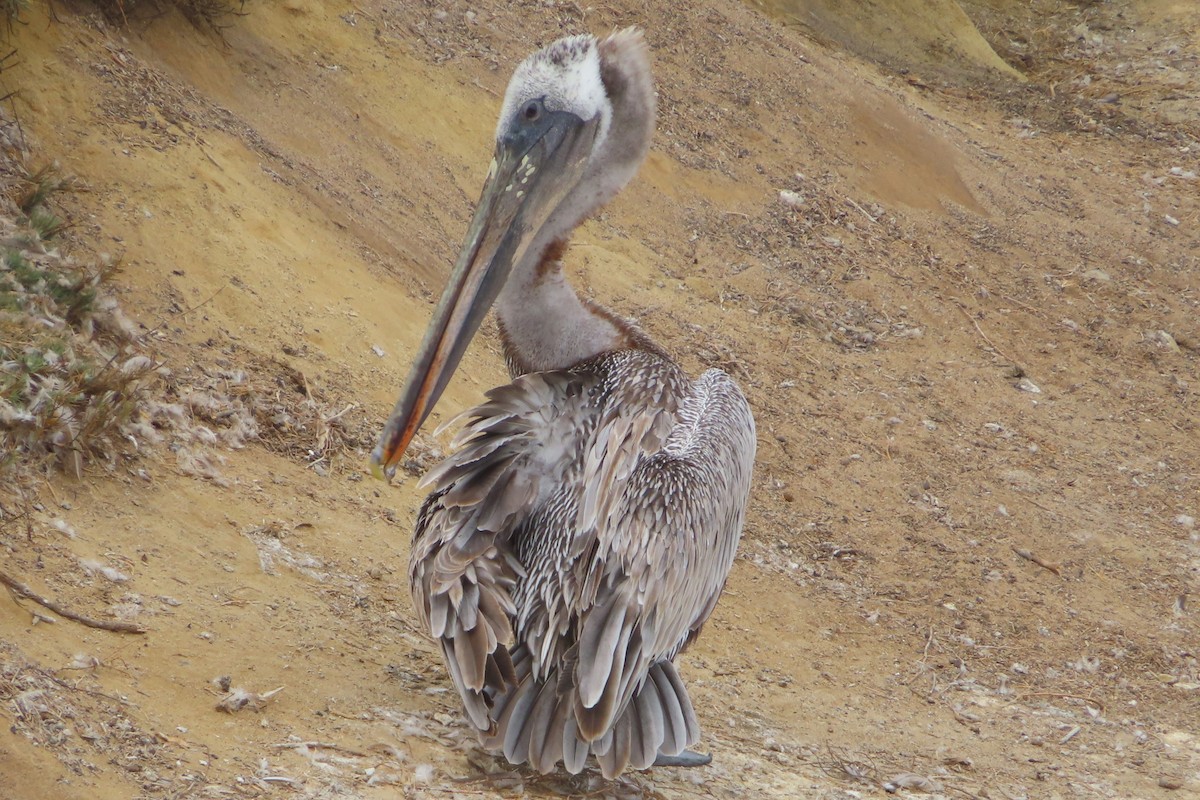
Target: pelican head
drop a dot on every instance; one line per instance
(574, 128)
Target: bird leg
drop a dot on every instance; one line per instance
(688, 758)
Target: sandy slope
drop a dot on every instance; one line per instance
(289, 199)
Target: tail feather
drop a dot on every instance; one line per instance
(650, 723)
(601, 746)
(474, 703)
(691, 733)
(575, 749)
(513, 726)
(493, 738)
(616, 758)
(537, 722)
(546, 722)
(636, 737)
(675, 737)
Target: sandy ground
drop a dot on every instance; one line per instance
(970, 340)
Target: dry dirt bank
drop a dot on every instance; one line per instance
(945, 572)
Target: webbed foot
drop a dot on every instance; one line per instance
(688, 758)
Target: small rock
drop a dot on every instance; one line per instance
(377, 350)
(911, 781)
(1166, 340)
(1170, 783)
(790, 198)
(1186, 521)
(93, 567)
(1170, 220)
(1021, 480)
(1097, 276)
(1026, 385)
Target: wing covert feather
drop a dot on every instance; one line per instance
(663, 535)
(463, 568)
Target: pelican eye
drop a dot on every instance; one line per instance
(532, 111)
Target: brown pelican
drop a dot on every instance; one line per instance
(580, 533)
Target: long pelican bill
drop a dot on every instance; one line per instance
(533, 169)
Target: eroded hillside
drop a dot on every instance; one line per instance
(967, 327)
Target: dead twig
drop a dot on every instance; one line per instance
(979, 330)
(184, 312)
(1053, 566)
(1071, 734)
(340, 414)
(105, 625)
(492, 92)
(928, 642)
(840, 766)
(321, 746)
(1085, 698)
(72, 687)
(861, 210)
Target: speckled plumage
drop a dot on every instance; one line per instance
(581, 531)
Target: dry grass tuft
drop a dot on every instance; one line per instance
(70, 373)
(81, 723)
(11, 9)
(70, 376)
(211, 14)
(76, 387)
